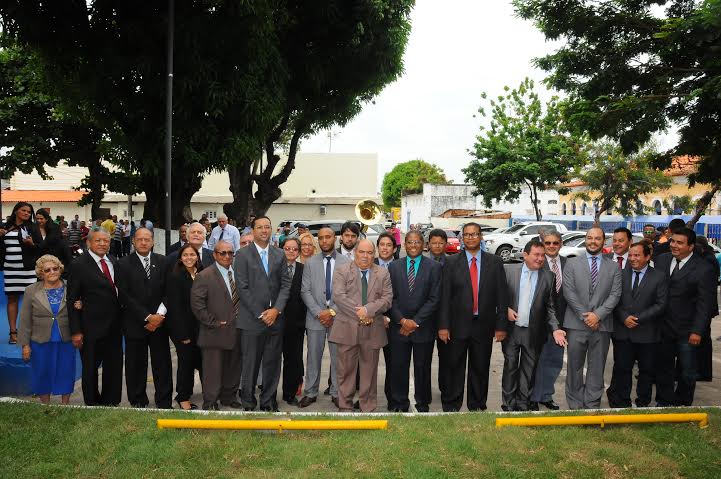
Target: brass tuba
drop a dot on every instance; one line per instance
(368, 213)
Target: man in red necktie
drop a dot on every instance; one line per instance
(96, 328)
(473, 307)
(622, 239)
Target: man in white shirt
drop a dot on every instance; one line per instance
(349, 234)
(622, 239)
(224, 232)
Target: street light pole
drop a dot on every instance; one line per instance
(169, 124)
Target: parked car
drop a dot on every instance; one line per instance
(575, 247)
(566, 238)
(502, 244)
(453, 245)
(371, 233)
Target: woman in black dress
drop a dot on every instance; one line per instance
(19, 240)
(182, 323)
(52, 242)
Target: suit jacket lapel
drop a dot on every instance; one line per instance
(43, 297)
(221, 280)
(373, 279)
(685, 270)
(540, 279)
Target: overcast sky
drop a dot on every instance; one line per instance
(457, 49)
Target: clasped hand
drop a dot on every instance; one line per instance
(591, 320)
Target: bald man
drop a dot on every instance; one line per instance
(362, 292)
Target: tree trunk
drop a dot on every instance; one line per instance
(241, 185)
(182, 190)
(702, 205)
(95, 181)
(534, 198)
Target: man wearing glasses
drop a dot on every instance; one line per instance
(550, 362)
(473, 311)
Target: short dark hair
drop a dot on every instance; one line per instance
(352, 226)
(326, 227)
(437, 233)
(290, 238)
(643, 244)
(415, 233)
(597, 227)
(676, 224)
(472, 223)
(649, 226)
(386, 235)
(688, 233)
(625, 230)
(252, 223)
(534, 243)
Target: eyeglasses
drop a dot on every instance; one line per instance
(244, 243)
(471, 235)
(52, 269)
(414, 243)
(552, 243)
(224, 253)
(307, 245)
(291, 248)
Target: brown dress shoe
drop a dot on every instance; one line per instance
(306, 401)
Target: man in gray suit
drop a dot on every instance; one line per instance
(317, 293)
(531, 314)
(637, 331)
(214, 302)
(263, 287)
(592, 288)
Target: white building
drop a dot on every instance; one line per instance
(436, 199)
(321, 185)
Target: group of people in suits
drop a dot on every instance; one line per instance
(239, 315)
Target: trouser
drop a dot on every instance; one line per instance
(625, 354)
(136, 369)
(116, 248)
(452, 372)
(292, 362)
(387, 382)
(548, 367)
(189, 360)
(670, 351)
(107, 352)
(589, 349)
(314, 357)
(257, 346)
(126, 245)
(400, 372)
(705, 357)
(350, 360)
(220, 377)
(519, 367)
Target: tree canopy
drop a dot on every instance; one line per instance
(408, 178)
(637, 67)
(528, 146)
(614, 180)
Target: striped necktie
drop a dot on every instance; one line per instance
(234, 294)
(594, 272)
(557, 272)
(146, 262)
(412, 275)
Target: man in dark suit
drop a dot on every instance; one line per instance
(386, 245)
(592, 288)
(437, 240)
(416, 284)
(636, 329)
(690, 289)
(215, 303)
(97, 327)
(183, 235)
(665, 247)
(263, 285)
(531, 314)
(143, 283)
(550, 361)
(472, 313)
(293, 324)
(622, 239)
(196, 237)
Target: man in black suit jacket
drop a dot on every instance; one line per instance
(196, 237)
(96, 328)
(416, 284)
(550, 361)
(386, 247)
(637, 318)
(293, 324)
(531, 314)
(472, 313)
(690, 289)
(622, 239)
(437, 241)
(143, 283)
(183, 234)
(665, 247)
(261, 273)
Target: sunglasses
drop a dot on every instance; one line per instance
(550, 243)
(224, 253)
(291, 248)
(53, 269)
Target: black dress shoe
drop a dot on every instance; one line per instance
(271, 408)
(211, 406)
(292, 401)
(335, 402)
(327, 391)
(192, 406)
(551, 405)
(306, 401)
(421, 408)
(356, 406)
(233, 404)
(533, 406)
(505, 408)
(139, 406)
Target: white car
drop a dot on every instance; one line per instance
(502, 244)
(573, 247)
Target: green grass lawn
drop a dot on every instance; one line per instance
(50, 442)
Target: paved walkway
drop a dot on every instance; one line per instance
(707, 393)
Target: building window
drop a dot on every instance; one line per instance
(323, 210)
(211, 215)
(563, 209)
(584, 207)
(657, 207)
(573, 208)
(552, 202)
(640, 208)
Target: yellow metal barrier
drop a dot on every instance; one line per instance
(700, 418)
(271, 424)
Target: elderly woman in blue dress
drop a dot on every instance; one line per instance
(44, 332)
